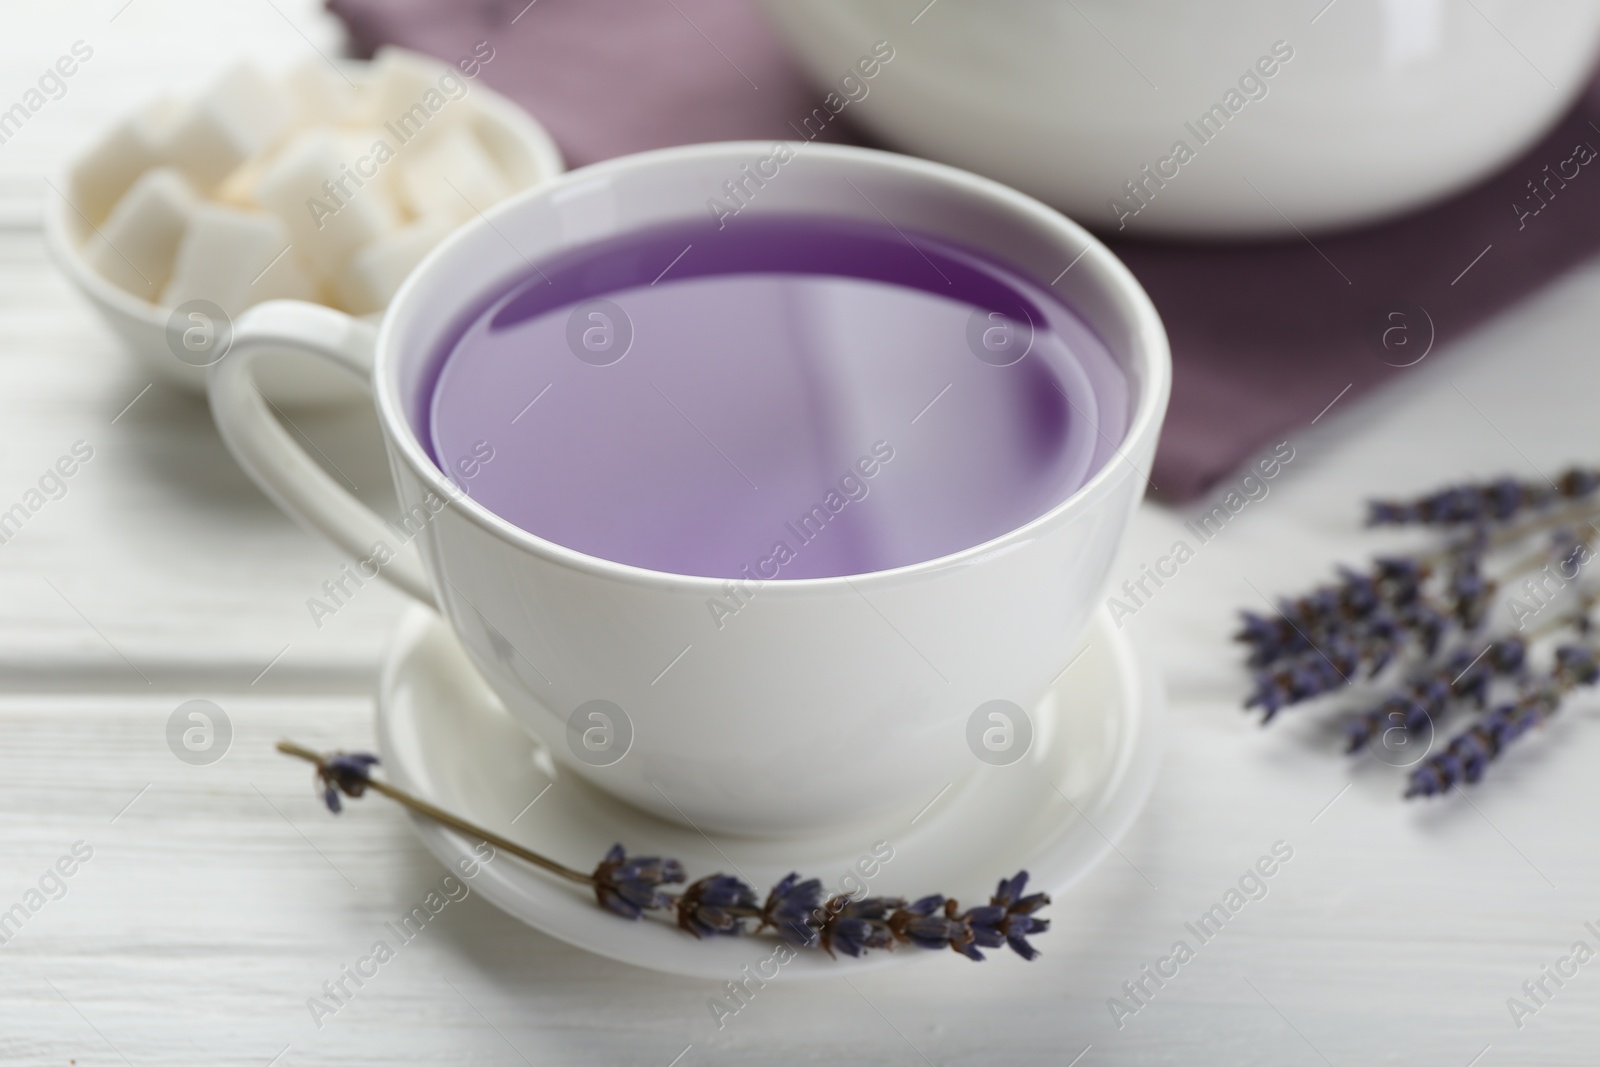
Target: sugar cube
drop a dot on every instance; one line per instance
(317, 95)
(238, 115)
(239, 187)
(135, 247)
(374, 155)
(509, 152)
(375, 274)
(235, 258)
(414, 96)
(113, 163)
(454, 177)
(330, 210)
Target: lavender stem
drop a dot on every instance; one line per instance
(454, 822)
(1508, 535)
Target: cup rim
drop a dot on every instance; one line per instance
(1151, 360)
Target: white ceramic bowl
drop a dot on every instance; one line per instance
(294, 380)
(1384, 106)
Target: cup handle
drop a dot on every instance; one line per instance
(274, 460)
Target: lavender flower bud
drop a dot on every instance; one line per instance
(854, 926)
(714, 905)
(791, 909)
(344, 772)
(1020, 921)
(627, 887)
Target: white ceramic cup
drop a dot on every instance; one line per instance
(833, 699)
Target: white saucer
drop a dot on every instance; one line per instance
(1093, 760)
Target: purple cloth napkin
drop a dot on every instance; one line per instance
(1264, 337)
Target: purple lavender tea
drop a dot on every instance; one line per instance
(790, 397)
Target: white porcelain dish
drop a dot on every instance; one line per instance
(294, 380)
(445, 736)
(1384, 106)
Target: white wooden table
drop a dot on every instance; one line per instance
(219, 898)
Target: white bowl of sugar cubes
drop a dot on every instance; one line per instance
(326, 184)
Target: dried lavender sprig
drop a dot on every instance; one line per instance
(724, 905)
(720, 904)
(1380, 608)
(1348, 605)
(1465, 674)
(1476, 502)
(1347, 655)
(1328, 609)
(936, 922)
(1364, 642)
(1469, 754)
